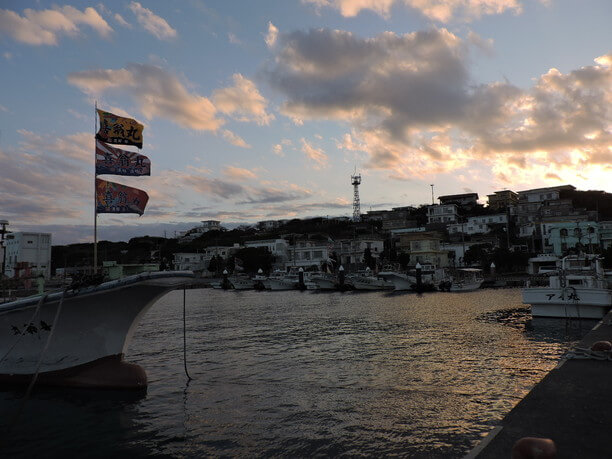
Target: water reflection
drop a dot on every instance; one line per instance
(302, 374)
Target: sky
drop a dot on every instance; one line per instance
(262, 110)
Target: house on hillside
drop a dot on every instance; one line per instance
(424, 248)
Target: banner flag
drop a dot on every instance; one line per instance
(114, 198)
(117, 129)
(110, 160)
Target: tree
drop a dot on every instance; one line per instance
(368, 259)
(478, 254)
(216, 264)
(254, 258)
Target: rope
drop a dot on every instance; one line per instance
(40, 359)
(581, 353)
(25, 328)
(189, 378)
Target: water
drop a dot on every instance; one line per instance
(298, 374)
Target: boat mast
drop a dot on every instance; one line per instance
(95, 254)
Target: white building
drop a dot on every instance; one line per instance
(28, 251)
(201, 260)
(445, 213)
(478, 225)
(207, 225)
(306, 254)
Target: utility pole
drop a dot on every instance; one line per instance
(3, 231)
(432, 194)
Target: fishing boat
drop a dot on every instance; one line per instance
(241, 282)
(368, 281)
(462, 280)
(400, 280)
(79, 337)
(321, 281)
(578, 289)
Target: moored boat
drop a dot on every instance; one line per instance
(578, 289)
(80, 336)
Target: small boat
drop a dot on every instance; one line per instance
(462, 280)
(79, 337)
(321, 281)
(368, 281)
(241, 282)
(286, 281)
(400, 280)
(578, 289)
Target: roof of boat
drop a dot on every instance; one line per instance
(96, 288)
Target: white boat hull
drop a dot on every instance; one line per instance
(323, 283)
(466, 286)
(585, 303)
(94, 324)
(400, 281)
(371, 283)
(283, 284)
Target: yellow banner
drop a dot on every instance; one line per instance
(119, 130)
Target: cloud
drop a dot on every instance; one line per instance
(238, 173)
(233, 39)
(242, 101)
(234, 139)
(43, 27)
(122, 22)
(317, 156)
(413, 106)
(152, 23)
(438, 10)
(272, 35)
(157, 92)
(274, 194)
(47, 178)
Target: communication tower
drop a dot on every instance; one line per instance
(356, 181)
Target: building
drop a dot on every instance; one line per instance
(423, 248)
(351, 252)
(530, 202)
(28, 254)
(308, 254)
(605, 232)
(465, 200)
(267, 225)
(504, 199)
(580, 235)
(200, 261)
(194, 233)
(114, 271)
(478, 225)
(443, 213)
(396, 218)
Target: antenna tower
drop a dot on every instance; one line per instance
(356, 181)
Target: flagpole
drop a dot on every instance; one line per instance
(95, 266)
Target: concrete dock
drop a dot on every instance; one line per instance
(572, 406)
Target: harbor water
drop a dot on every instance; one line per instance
(302, 374)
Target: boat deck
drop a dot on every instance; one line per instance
(571, 405)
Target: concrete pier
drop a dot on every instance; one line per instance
(572, 406)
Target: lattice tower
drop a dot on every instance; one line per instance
(356, 181)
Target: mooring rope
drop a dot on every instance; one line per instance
(40, 359)
(185, 338)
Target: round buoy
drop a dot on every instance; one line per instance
(534, 448)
